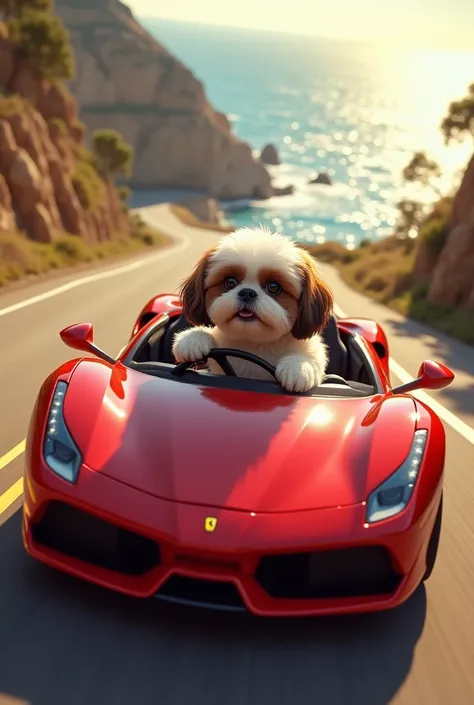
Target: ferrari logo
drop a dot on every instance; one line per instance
(210, 524)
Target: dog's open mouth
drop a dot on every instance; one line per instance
(246, 314)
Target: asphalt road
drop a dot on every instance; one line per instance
(63, 642)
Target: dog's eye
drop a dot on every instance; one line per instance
(230, 283)
(273, 288)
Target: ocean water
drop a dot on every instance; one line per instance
(357, 111)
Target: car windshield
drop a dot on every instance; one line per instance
(148, 357)
(202, 377)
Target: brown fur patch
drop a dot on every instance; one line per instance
(216, 276)
(316, 301)
(289, 303)
(213, 293)
(274, 275)
(193, 294)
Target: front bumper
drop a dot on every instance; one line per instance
(305, 563)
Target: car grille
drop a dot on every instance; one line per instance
(80, 535)
(349, 572)
(202, 593)
(343, 573)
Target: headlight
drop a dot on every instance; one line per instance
(60, 452)
(393, 495)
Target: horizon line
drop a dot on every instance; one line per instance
(391, 41)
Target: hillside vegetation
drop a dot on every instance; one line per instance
(59, 201)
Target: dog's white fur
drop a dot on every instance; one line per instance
(286, 326)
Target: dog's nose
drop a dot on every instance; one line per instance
(247, 295)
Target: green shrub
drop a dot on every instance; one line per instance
(124, 194)
(60, 125)
(13, 105)
(460, 117)
(71, 249)
(42, 38)
(112, 154)
(144, 233)
(434, 234)
(86, 181)
(10, 9)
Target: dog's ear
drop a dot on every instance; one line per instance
(192, 293)
(316, 301)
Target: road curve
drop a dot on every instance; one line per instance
(63, 642)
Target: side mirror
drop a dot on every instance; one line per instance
(431, 375)
(80, 336)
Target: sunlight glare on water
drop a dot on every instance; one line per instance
(356, 111)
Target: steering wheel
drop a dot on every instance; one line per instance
(220, 356)
(335, 379)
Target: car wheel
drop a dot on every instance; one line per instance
(432, 551)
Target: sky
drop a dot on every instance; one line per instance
(426, 23)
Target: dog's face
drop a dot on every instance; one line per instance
(257, 286)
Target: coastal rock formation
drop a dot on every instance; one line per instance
(205, 209)
(321, 178)
(127, 81)
(7, 216)
(43, 162)
(463, 205)
(452, 278)
(284, 190)
(269, 155)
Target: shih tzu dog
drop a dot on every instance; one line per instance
(258, 291)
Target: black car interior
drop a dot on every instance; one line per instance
(349, 372)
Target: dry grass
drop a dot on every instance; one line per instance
(332, 253)
(188, 218)
(87, 183)
(20, 257)
(13, 105)
(384, 272)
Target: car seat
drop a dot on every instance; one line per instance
(338, 355)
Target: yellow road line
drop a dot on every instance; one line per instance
(16, 490)
(11, 495)
(12, 454)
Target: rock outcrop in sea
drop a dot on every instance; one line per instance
(269, 155)
(321, 178)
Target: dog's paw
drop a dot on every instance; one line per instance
(296, 373)
(192, 345)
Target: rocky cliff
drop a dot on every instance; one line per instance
(127, 81)
(452, 270)
(48, 184)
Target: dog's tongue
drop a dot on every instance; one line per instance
(246, 313)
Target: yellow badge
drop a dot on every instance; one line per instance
(210, 524)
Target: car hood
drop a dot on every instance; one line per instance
(241, 450)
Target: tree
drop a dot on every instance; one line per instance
(10, 9)
(112, 154)
(410, 215)
(42, 38)
(432, 225)
(124, 194)
(460, 118)
(421, 169)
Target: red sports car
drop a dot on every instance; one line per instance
(158, 479)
